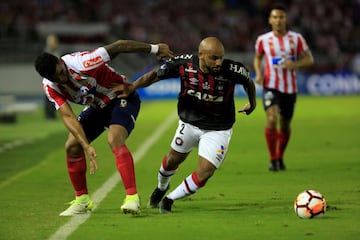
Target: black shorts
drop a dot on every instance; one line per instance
(121, 111)
(286, 102)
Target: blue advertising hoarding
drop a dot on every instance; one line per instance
(338, 83)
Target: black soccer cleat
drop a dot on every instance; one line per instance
(156, 197)
(281, 164)
(166, 204)
(274, 166)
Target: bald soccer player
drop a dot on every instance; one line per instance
(206, 110)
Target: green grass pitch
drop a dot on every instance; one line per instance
(243, 200)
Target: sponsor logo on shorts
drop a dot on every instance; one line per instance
(123, 103)
(268, 98)
(221, 153)
(222, 150)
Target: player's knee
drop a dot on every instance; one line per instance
(272, 121)
(73, 149)
(116, 137)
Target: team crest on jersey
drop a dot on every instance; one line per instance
(84, 90)
(86, 95)
(194, 81)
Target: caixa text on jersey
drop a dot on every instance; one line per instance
(205, 96)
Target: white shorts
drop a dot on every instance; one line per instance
(212, 145)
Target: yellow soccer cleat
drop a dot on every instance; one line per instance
(80, 205)
(131, 204)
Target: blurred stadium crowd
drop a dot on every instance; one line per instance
(332, 28)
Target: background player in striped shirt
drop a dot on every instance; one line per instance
(284, 52)
(86, 78)
(206, 110)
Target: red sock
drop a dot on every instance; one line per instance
(283, 141)
(77, 172)
(271, 141)
(125, 166)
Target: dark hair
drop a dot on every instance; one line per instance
(45, 64)
(278, 6)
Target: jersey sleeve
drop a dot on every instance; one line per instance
(88, 60)
(52, 92)
(302, 44)
(259, 47)
(237, 72)
(169, 69)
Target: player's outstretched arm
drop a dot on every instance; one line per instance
(145, 80)
(161, 50)
(72, 124)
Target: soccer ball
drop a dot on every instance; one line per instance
(310, 204)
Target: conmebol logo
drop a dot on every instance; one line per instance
(333, 84)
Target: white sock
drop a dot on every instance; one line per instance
(186, 188)
(164, 177)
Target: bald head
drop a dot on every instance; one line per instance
(211, 54)
(210, 45)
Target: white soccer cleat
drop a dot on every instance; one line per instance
(131, 205)
(77, 207)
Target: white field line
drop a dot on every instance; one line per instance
(12, 179)
(11, 145)
(68, 228)
(15, 144)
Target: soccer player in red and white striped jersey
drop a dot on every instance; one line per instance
(85, 78)
(284, 51)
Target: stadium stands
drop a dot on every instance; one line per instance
(331, 27)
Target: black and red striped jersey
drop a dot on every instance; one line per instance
(205, 100)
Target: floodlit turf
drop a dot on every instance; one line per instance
(243, 200)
